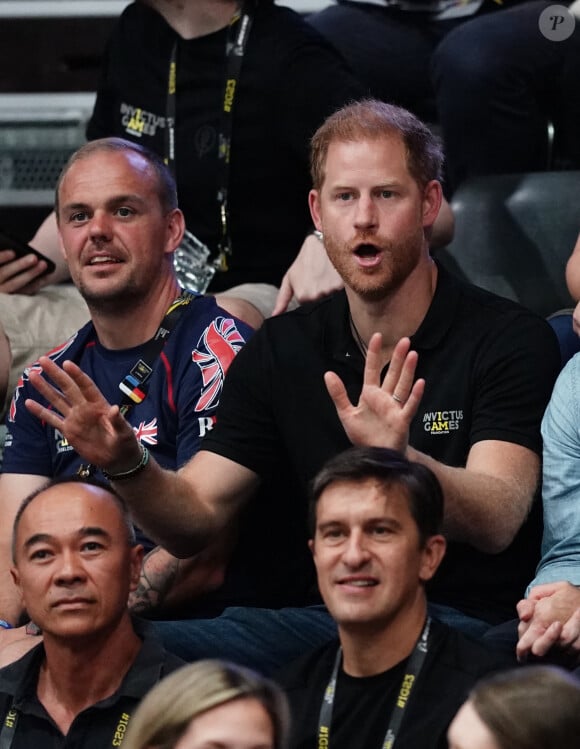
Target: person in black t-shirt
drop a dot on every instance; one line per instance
(290, 79)
(485, 368)
(75, 560)
(397, 674)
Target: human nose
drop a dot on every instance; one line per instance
(70, 569)
(366, 213)
(100, 225)
(356, 552)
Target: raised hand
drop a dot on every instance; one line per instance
(383, 414)
(96, 430)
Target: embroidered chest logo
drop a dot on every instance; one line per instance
(215, 351)
(442, 422)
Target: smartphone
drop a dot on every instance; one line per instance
(10, 242)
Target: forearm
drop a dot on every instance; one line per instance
(561, 483)
(482, 509)
(158, 574)
(167, 583)
(179, 522)
(185, 511)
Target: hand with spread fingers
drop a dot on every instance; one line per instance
(550, 623)
(95, 429)
(383, 414)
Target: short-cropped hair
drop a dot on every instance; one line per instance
(389, 469)
(62, 480)
(371, 119)
(166, 189)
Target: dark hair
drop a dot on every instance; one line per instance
(535, 707)
(166, 189)
(388, 468)
(61, 480)
(374, 119)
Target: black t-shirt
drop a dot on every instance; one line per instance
(363, 705)
(489, 367)
(101, 725)
(290, 81)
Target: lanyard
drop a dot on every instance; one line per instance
(414, 666)
(8, 730)
(134, 385)
(235, 50)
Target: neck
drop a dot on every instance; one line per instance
(372, 650)
(397, 315)
(195, 18)
(133, 322)
(76, 675)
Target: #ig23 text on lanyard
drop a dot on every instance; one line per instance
(412, 671)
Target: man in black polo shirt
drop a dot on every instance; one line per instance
(485, 369)
(394, 673)
(75, 561)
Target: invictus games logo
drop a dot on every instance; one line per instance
(138, 122)
(442, 422)
(557, 23)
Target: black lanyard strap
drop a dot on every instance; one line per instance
(237, 38)
(9, 728)
(412, 671)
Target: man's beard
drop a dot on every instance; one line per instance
(399, 259)
(117, 302)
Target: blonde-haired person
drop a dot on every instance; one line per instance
(536, 707)
(209, 702)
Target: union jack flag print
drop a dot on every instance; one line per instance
(215, 351)
(147, 432)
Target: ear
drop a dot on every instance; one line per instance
(136, 559)
(433, 552)
(311, 546)
(175, 230)
(16, 579)
(314, 205)
(14, 574)
(60, 242)
(432, 198)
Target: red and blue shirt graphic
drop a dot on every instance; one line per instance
(184, 392)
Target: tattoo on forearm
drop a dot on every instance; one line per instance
(157, 578)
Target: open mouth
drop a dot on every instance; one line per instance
(366, 251)
(368, 255)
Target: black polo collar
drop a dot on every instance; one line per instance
(338, 338)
